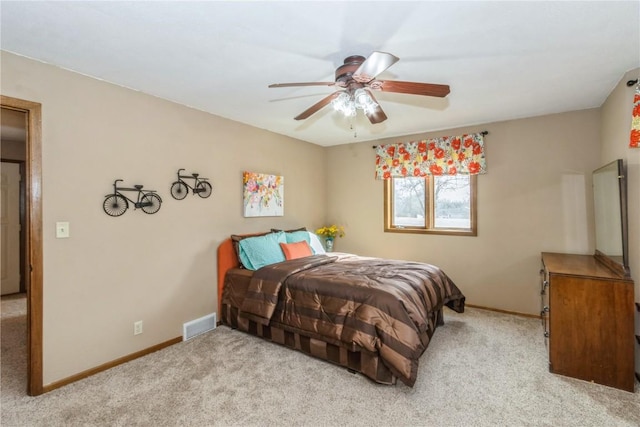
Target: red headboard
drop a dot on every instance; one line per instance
(227, 258)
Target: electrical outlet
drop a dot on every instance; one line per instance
(137, 327)
(62, 230)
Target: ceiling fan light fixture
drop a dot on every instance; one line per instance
(370, 109)
(350, 109)
(363, 100)
(341, 102)
(348, 103)
(344, 104)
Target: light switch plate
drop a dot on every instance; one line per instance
(62, 230)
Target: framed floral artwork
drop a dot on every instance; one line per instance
(263, 194)
(634, 141)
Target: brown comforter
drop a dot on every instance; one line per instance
(385, 306)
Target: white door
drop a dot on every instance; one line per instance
(10, 223)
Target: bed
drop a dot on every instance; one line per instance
(370, 315)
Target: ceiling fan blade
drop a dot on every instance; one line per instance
(303, 84)
(426, 89)
(376, 63)
(377, 115)
(318, 105)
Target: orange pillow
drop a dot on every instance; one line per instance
(296, 250)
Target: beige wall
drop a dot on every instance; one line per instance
(616, 127)
(156, 268)
(535, 197)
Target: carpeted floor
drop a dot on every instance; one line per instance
(481, 369)
(13, 355)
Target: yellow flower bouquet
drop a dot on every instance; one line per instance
(331, 232)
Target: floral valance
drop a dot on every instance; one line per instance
(634, 141)
(448, 155)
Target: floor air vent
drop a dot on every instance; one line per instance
(198, 326)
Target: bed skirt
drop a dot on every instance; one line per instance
(354, 359)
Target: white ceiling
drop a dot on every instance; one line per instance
(503, 60)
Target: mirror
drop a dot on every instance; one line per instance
(610, 211)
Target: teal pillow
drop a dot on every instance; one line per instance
(298, 236)
(256, 252)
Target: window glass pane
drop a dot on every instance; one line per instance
(452, 200)
(408, 202)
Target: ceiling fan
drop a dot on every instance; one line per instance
(356, 78)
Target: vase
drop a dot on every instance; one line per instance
(329, 244)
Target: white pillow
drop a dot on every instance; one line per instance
(315, 244)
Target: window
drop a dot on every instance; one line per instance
(437, 204)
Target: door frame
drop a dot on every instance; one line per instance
(33, 242)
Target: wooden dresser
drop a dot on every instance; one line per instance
(588, 318)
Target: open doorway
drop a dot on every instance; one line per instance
(13, 135)
(30, 245)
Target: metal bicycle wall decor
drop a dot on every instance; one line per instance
(116, 203)
(201, 186)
